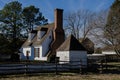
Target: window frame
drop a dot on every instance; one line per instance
(36, 52)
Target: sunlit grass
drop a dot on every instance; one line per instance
(65, 77)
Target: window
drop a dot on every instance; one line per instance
(36, 54)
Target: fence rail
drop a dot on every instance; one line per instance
(28, 67)
(65, 66)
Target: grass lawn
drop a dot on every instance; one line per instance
(63, 77)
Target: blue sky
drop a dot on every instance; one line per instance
(47, 6)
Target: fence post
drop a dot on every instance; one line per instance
(26, 67)
(101, 66)
(80, 67)
(56, 65)
(106, 62)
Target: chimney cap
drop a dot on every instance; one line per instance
(59, 9)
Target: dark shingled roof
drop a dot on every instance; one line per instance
(89, 45)
(71, 43)
(88, 41)
(34, 41)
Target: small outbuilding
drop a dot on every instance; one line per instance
(88, 44)
(72, 51)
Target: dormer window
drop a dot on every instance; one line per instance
(41, 33)
(31, 35)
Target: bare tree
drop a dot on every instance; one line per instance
(98, 24)
(84, 23)
(78, 23)
(107, 32)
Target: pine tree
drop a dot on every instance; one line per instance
(10, 16)
(32, 16)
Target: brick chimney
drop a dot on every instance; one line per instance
(59, 35)
(58, 18)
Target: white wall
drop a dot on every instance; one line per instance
(73, 56)
(63, 56)
(25, 50)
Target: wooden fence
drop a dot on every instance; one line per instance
(45, 67)
(103, 66)
(28, 67)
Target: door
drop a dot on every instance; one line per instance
(27, 55)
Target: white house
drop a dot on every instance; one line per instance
(46, 42)
(72, 51)
(43, 42)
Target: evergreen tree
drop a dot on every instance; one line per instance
(32, 16)
(14, 21)
(10, 16)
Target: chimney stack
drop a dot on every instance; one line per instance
(58, 19)
(58, 34)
